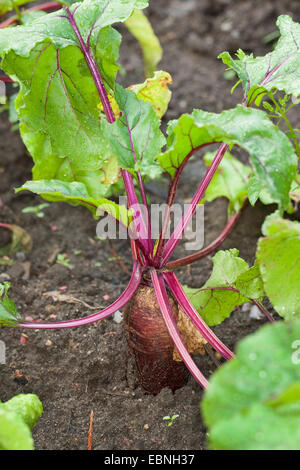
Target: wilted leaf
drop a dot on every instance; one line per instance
(21, 240)
(155, 90)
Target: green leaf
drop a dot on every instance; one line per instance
(60, 121)
(77, 194)
(227, 268)
(27, 406)
(156, 91)
(272, 156)
(8, 5)
(253, 401)
(140, 27)
(18, 416)
(231, 180)
(291, 395)
(213, 304)
(137, 133)
(295, 190)
(14, 433)
(29, 17)
(9, 315)
(250, 283)
(280, 69)
(278, 256)
(48, 166)
(231, 284)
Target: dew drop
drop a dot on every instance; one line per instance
(262, 374)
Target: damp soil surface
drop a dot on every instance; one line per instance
(78, 370)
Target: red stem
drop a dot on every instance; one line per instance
(124, 298)
(6, 79)
(142, 189)
(166, 311)
(258, 304)
(44, 7)
(170, 201)
(194, 316)
(179, 230)
(263, 310)
(179, 263)
(127, 178)
(93, 69)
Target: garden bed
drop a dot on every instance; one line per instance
(77, 370)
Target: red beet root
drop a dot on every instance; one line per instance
(150, 343)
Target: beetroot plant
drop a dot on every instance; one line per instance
(85, 132)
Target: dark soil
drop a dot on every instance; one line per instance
(75, 371)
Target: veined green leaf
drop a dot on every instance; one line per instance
(250, 283)
(213, 303)
(77, 194)
(136, 134)
(155, 90)
(278, 256)
(231, 180)
(272, 155)
(140, 27)
(280, 69)
(57, 104)
(253, 401)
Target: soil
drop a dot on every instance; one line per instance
(78, 370)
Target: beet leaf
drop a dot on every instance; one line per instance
(278, 255)
(280, 69)
(253, 401)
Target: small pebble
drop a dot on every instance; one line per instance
(118, 316)
(255, 313)
(4, 277)
(246, 307)
(20, 255)
(146, 427)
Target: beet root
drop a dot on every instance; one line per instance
(150, 343)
